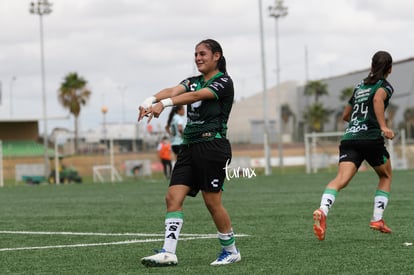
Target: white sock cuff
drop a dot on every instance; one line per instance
(226, 236)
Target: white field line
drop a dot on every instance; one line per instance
(187, 238)
(95, 234)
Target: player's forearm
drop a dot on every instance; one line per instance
(164, 93)
(379, 110)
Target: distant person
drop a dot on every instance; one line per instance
(364, 140)
(164, 152)
(204, 153)
(175, 127)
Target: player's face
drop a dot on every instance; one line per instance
(205, 60)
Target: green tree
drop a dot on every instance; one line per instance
(344, 96)
(316, 89)
(316, 116)
(346, 93)
(286, 113)
(72, 95)
(409, 121)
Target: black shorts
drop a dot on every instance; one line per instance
(176, 149)
(356, 151)
(201, 166)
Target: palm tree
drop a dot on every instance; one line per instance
(316, 89)
(315, 116)
(409, 121)
(73, 93)
(286, 113)
(345, 95)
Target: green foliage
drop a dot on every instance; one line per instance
(72, 95)
(316, 89)
(275, 211)
(346, 93)
(316, 114)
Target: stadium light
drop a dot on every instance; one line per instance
(277, 12)
(104, 110)
(266, 146)
(43, 7)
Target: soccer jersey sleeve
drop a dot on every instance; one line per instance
(222, 87)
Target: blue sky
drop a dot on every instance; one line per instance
(130, 49)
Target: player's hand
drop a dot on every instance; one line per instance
(145, 106)
(388, 133)
(155, 110)
(143, 112)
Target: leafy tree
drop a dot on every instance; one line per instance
(344, 96)
(286, 113)
(72, 95)
(346, 93)
(409, 121)
(316, 89)
(315, 116)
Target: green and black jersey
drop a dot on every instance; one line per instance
(363, 124)
(207, 119)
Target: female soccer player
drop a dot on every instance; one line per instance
(204, 153)
(364, 140)
(175, 127)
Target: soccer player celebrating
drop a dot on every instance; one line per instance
(204, 153)
(364, 140)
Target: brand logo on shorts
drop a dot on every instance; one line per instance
(343, 156)
(214, 183)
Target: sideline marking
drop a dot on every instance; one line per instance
(187, 237)
(95, 233)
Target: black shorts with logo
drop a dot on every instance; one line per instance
(356, 151)
(201, 166)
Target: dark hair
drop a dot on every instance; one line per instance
(174, 110)
(215, 47)
(380, 67)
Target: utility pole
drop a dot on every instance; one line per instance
(43, 7)
(277, 12)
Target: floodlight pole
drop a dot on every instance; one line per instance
(277, 12)
(43, 7)
(122, 90)
(104, 110)
(266, 148)
(13, 79)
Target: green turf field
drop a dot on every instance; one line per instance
(275, 212)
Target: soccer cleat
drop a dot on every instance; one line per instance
(319, 225)
(162, 258)
(380, 226)
(226, 257)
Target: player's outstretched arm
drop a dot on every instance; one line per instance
(144, 108)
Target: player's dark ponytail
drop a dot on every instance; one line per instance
(215, 47)
(380, 67)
